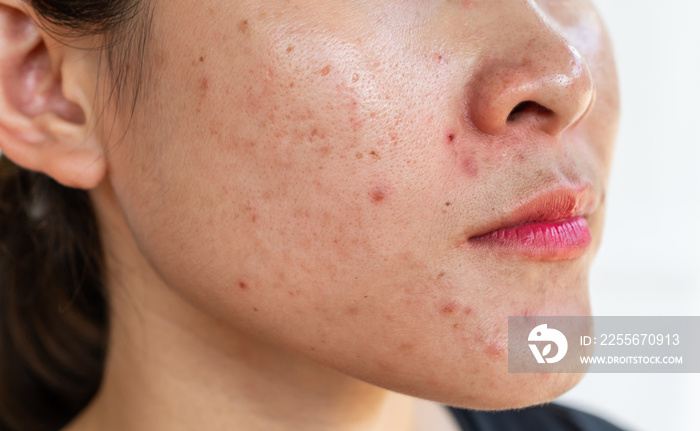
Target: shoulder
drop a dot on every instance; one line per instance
(548, 417)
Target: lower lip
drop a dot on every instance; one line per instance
(546, 241)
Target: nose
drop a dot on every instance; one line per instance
(530, 76)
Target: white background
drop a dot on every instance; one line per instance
(649, 262)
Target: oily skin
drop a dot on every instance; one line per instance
(284, 217)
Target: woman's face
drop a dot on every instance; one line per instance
(312, 171)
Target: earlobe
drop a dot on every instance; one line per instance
(43, 121)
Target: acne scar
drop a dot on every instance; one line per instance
(204, 84)
(449, 306)
(470, 167)
(326, 70)
(377, 194)
(243, 26)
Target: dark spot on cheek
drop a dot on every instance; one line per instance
(468, 310)
(358, 155)
(243, 26)
(405, 347)
(290, 48)
(243, 285)
(255, 309)
(204, 84)
(447, 204)
(375, 154)
(201, 59)
(448, 307)
(377, 194)
(325, 71)
(353, 311)
(450, 139)
(470, 167)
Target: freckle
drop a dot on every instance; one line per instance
(255, 309)
(467, 310)
(243, 26)
(325, 71)
(355, 77)
(447, 204)
(291, 85)
(290, 48)
(374, 154)
(201, 59)
(358, 155)
(449, 307)
(470, 167)
(243, 285)
(377, 195)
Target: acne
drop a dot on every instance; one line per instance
(243, 285)
(326, 70)
(496, 348)
(450, 138)
(468, 4)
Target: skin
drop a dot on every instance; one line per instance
(284, 214)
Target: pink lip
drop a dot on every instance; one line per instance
(549, 227)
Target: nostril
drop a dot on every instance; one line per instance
(529, 107)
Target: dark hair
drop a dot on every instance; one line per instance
(53, 305)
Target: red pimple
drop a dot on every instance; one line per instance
(243, 285)
(326, 70)
(468, 4)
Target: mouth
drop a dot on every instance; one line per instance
(551, 226)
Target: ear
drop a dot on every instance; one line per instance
(46, 92)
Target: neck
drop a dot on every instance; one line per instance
(171, 366)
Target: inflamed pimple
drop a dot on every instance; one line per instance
(468, 4)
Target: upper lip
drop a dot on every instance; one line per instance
(556, 203)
